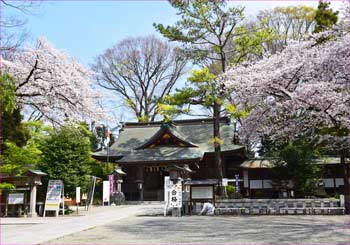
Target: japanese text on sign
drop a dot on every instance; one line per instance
(176, 195)
(53, 195)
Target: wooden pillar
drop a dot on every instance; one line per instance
(347, 188)
(346, 169)
(140, 182)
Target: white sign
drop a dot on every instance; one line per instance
(77, 195)
(54, 195)
(106, 191)
(16, 198)
(202, 192)
(176, 195)
(224, 182)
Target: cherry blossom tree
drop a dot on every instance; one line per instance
(304, 90)
(301, 93)
(52, 85)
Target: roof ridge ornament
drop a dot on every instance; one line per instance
(165, 136)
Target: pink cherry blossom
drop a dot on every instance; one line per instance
(52, 85)
(297, 91)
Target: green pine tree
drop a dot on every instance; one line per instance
(212, 36)
(325, 17)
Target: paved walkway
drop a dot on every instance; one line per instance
(301, 229)
(39, 230)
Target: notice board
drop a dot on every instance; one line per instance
(54, 195)
(202, 192)
(16, 198)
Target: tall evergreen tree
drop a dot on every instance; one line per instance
(325, 17)
(212, 36)
(66, 156)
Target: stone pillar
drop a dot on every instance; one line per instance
(119, 185)
(32, 212)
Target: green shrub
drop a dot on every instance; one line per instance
(230, 190)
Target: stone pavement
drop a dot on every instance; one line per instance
(39, 230)
(260, 229)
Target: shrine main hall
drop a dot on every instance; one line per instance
(147, 152)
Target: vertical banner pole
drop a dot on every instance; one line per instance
(111, 187)
(105, 192)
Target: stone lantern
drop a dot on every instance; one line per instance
(118, 196)
(119, 173)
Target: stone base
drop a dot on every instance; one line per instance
(176, 212)
(32, 215)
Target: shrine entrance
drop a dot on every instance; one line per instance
(154, 183)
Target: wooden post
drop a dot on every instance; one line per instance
(140, 182)
(346, 167)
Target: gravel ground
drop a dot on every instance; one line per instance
(217, 229)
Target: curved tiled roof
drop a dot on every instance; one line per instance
(198, 133)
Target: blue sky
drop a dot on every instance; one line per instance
(85, 28)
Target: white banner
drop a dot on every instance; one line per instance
(176, 195)
(16, 198)
(77, 195)
(106, 191)
(54, 195)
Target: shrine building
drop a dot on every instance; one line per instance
(147, 152)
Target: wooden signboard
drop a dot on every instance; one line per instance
(202, 192)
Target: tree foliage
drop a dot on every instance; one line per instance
(325, 17)
(8, 95)
(302, 91)
(288, 23)
(296, 164)
(23, 153)
(141, 71)
(66, 156)
(14, 129)
(52, 85)
(20, 140)
(11, 117)
(212, 36)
